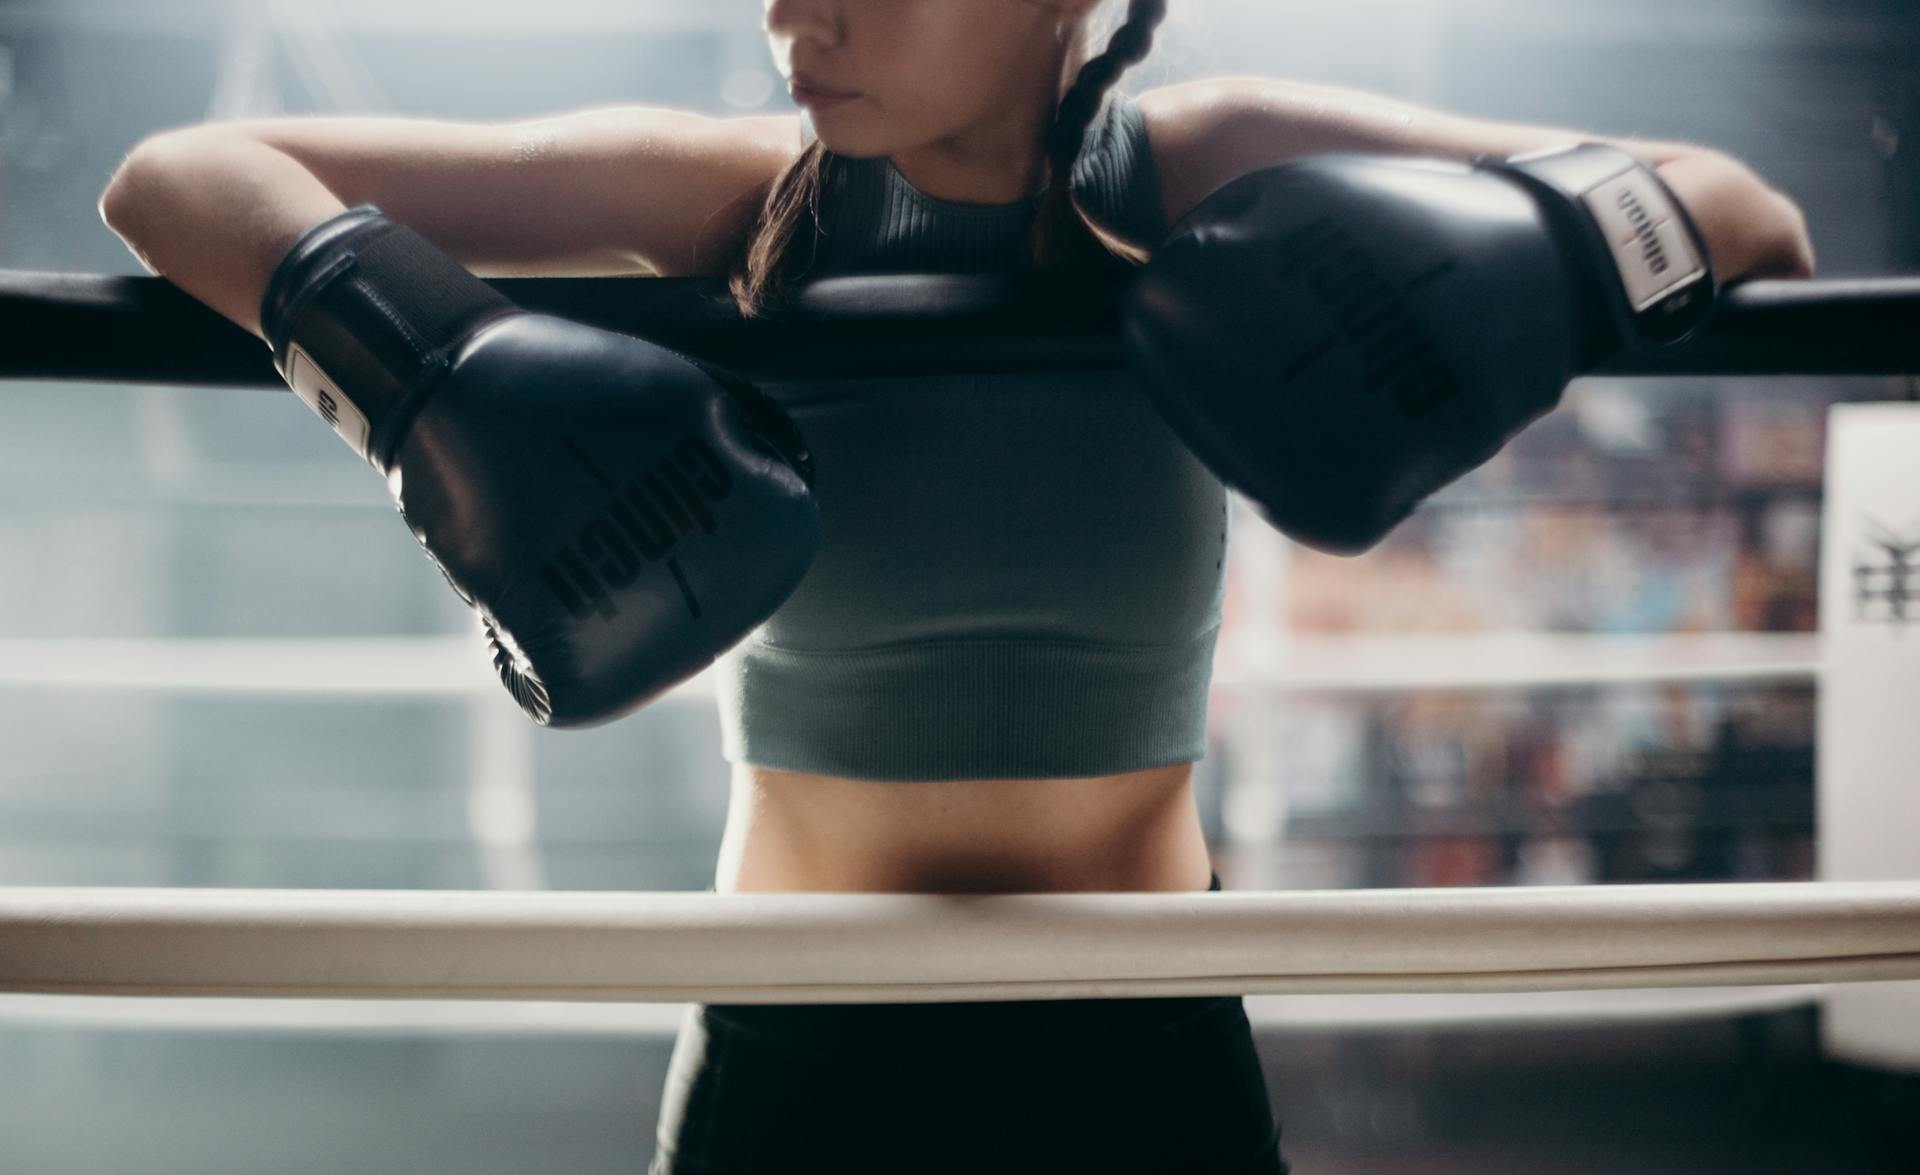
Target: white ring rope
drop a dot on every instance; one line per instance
(1377, 1012)
(458, 666)
(914, 948)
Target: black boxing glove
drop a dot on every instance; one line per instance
(1341, 337)
(614, 514)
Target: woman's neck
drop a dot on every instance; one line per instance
(1001, 159)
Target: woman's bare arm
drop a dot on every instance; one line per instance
(598, 192)
(1207, 133)
(215, 220)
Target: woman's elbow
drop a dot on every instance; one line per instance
(1793, 250)
(1752, 230)
(135, 183)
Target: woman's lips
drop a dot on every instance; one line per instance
(817, 97)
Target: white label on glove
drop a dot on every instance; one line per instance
(1651, 245)
(324, 396)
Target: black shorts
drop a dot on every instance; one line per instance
(1167, 1086)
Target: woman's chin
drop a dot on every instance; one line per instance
(848, 135)
(849, 146)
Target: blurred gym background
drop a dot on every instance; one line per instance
(223, 662)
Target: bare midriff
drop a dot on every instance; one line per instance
(790, 832)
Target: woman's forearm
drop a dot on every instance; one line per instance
(1223, 128)
(213, 212)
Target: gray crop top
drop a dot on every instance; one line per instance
(1020, 576)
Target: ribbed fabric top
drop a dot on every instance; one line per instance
(881, 223)
(1020, 576)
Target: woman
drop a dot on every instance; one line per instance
(994, 677)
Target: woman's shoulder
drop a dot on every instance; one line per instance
(1208, 132)
(1197, 131)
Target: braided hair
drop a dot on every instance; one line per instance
(1065, 235)
(776, 256)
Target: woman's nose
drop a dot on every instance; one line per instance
(817, 21)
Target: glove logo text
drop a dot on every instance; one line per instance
(1371, 313)
(1645, 232)
(644, 523)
